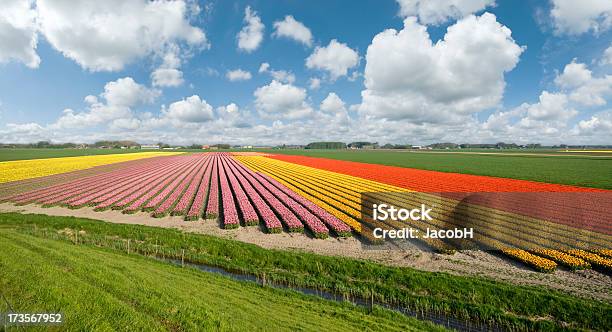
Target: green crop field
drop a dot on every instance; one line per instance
(579, 170)
(25, 154)
(38, 260)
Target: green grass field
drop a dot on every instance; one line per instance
(476, 299)
(25, 154)
(579, 170)
(101, 289)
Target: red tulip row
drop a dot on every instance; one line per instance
(271, 221)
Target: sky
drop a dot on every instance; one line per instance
(292, 72)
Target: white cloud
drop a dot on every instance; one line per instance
(551, 107)
(238, 75)
(577, 17)
(407, 76)
(606, 59)
(126, 92)
(168, 73)
(18, 38)
(336, 58)
(283, 76)
(314, 83)
(292, 29)
(599, 124)
(264, 67)
(108, 35)
(251, 35)
(119, 96)
(167, 77)
(439, 11)
(279, 75)
(278, 100)
(577, 80)
(332, 104)
(191, 109)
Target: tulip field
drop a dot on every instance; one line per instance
(323, 198)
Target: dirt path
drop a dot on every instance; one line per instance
(588, 284)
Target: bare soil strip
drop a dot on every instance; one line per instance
(587, 283)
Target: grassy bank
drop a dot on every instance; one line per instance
(102, 289)
(587, 171)
(515, 307)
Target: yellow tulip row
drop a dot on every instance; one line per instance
(539, 263)
(574, 263)
(25, 169)
(597, 261)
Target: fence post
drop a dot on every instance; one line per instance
(128, 247)
(183, 257)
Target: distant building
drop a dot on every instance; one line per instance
(417, 147)
(149, 147)
(205, 147)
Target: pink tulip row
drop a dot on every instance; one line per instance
(93, 185)
(173, 186)
(110, 199)
(230, 214)
(246, 208)
(102, 193)
(290, 220)
(212, 207)
(312, 222)
(333, 223)
(34, 195)
(144, 196)
(31, 196)
(193, 192)
(179, 191)
(123, 199)
(271, 221)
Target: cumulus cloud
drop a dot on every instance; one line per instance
(332, 104)
(577, 17)
(599, 124)
(191, 109)
(108, 35)
(577, 80)
(335, 58)
(314, 83)
(606, 59)
(119, 97)
(278, 100)
(439, 11)
(18, 37)
(407, 76)
(251, 35)
(168, 73)
(292, 29)
(279, 75)
(238, 75)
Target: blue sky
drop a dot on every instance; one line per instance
(528, 71)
